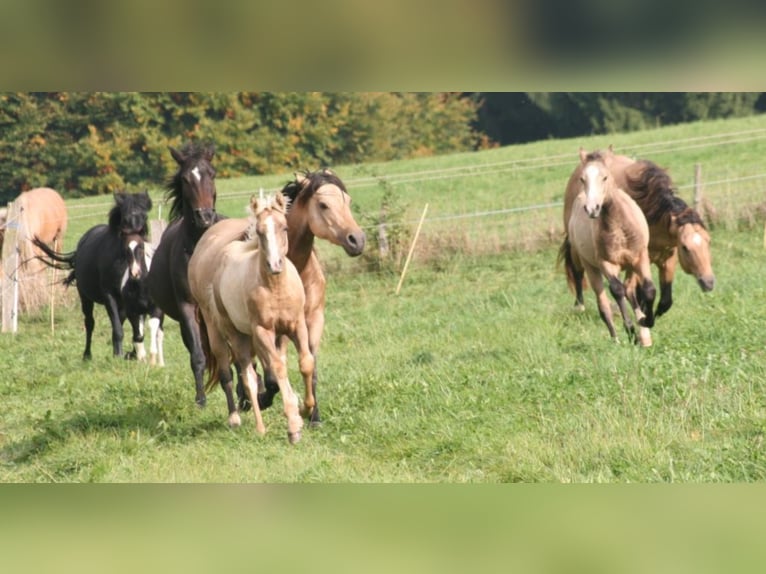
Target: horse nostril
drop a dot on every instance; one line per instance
(352, 240)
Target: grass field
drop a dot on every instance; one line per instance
(479, 371)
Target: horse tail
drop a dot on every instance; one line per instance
(54, 259)
(211, 364)
(565, 256)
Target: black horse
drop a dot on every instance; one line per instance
(106, 258)
(192, 192)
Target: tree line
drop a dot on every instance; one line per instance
(89, 143)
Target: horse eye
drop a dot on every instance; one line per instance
(582, 180)
(322, 205)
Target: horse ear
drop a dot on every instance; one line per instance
(177, 155)
(148, 200)
(209, 152)
(119, 198)
(279, 201)
(610, 149)
(301, 178)
(583, 155)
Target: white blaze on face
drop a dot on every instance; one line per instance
(697, 239)
(274, 257)
(135, 265)
(593, 188)
(196, 174)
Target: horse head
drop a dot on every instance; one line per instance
(327, 207)
(268, 221)
(136, 256)
(193, 186)
(130, 213)
(694, 249)
(595, 182)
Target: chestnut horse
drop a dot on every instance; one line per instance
(250, 297)
(193, 194)
(676, 231)
(607, 233)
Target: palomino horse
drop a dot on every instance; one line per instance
(608, 233)
(193, 194)
(250, 296)
(676, 231)
(106, 258)
(320, 207)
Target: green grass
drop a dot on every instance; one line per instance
(479, 371)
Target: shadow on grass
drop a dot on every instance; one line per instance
(148, 419)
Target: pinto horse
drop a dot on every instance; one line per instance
(193, 194)
(607, 233)
(106, 258)
(677, 233)
(250, 297)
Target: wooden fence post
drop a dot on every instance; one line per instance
(10, 268)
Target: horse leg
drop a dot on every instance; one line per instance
(604, 308)
(117, 317)
(247, 378)
(617, 289)
(315, 326)
(263, 341)
(646, 292)
(90, 323)
(137, 325)
(219, 349)
(156, 336)
(306, 364)
(191, 338)
(576, 272)
(667, 272)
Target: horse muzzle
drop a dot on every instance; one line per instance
(204, 217)
(354, 243)
(706, 283)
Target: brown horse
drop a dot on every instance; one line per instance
(250, 296)
(676, 231)
(607, 233)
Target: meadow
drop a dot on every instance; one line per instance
(478, 371)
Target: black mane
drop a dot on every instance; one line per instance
(192, 153)
(316, 179)
(130, 213)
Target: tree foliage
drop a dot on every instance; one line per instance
(100, 142)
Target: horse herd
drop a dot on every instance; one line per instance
(241, 288)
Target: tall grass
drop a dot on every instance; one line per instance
(479, 371)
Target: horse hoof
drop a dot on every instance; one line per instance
(245, 405)
(201, 401)
(265, 400)
(645, 337)
(293, 437)
(315, 424)
(234, 420)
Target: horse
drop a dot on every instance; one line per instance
(676, 231)
(193, 193)
(107, 256)
(607, 233)
(250, 297)
(320, 206)
(41, 213)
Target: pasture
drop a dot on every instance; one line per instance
(479, 371)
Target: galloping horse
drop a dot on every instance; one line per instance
(608, 233)
(320, 207)
(676, 231)
(250, 296)
(193, 194)
(106, 258)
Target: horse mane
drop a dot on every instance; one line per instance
(653, 190)
(192, 152)
(302, 191)
(123, 203)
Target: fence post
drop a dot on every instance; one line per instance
(10, 268)
(697, 186)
